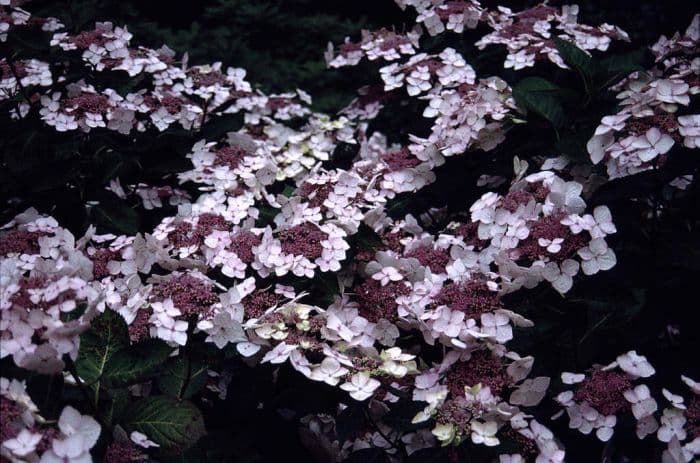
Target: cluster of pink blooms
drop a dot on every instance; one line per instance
(527, 35)
(27, 436)
(171, 92)
(536, 232)
(468, 113)
(44, 278)
(436, 16)
(652, 116)
(27, 73)
(384, 44)
(219, 267)
(614, 390)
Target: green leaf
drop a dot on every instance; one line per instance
(573, 145)
(633, 186)
(119, 400)
(114, 164)
(541, 97)
(288, 191)
(267, 215)
(182, 377)
(107, 335)
(137, 362)
(616, 67)
(577, 59)
(174, 425)
(114, 215)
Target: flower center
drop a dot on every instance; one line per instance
(89, 103)
(603, 390)
(87, 38)
(230, 156)
(435, 259)
(473, 298)
(302, 240)
(100, 259)
(256, 303)
(20, 241)
(482, 368)
(189, 294)
(242, 243)
(379, 302)
(399, 160)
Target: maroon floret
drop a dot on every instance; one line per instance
(603, 390)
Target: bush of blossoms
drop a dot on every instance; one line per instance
(222, 236)
(653, 115)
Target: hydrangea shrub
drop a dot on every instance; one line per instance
(171, 232)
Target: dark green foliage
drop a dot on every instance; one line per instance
(182, 377)
(172, 424)
(542, 97)
(138, 362)
(107, 335)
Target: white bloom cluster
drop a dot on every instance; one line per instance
(70, 440)
(43, 277)
(436, 16)
(384, 44)
(528, 34)
(648, 124)
(613, 390)
(24, 73)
